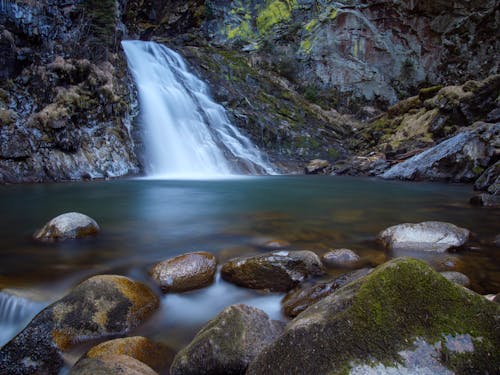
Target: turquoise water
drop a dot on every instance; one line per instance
(144, 221)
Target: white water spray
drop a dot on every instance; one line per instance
(186, 134)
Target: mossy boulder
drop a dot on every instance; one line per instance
(299, 299)
(155, 355)
(228, 343)
(185, 272)
(383, 318)
(117, 364)
(277, 271)
(67, 226)
(428, 236)
(100, 307)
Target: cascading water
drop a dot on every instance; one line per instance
(186, 133)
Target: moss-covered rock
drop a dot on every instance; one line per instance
(100, 307)
(156, 356)
(381, 319)
(228, 343)
(276, 271)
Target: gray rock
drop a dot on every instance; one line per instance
(382, 320)
(456, 277)
(276, 271)
(299, 299)
(316, 166)
(67, 226)
(457, 159)
(340, 258)
(228, 343)
(100, 307)
(485, 200)
(434, 236)
(185, 272)
(490, 179)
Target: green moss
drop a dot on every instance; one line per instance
(406, 299)
(477, 170)
(243, 32)
(306, 46)
(274, 12)
(311, 25)
(333, 14)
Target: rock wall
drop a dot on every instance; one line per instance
(65, 101)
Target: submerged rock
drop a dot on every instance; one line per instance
(185, 272)
(102, 306)
(381, 319)
(116, 364)
(227, 343)
(340, 258)
(300, 299)
(277, 271)
(434, 236)
(67, 226)
(456, 277)
(155, 355)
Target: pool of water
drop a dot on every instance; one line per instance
(145, 221)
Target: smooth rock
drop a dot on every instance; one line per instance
(276, 244)
(113, 365)
(456, 277)
(67, 226)
(486, 200)
(316, 166)
(277, 271)
(157, 356)
(298, 300)
(227, 343)
(434, 236)
(340, 258)
(380, 320)
(185, 272)
(99, 307)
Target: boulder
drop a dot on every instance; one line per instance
(340, 258)
(100, 307)
(489, 181)
(67, 226)
(156, 356)
(117, 364)
(456, 277)
(461, 158)
(403, 318)
(297, 300)
(228, 343)
(316, 166)
(432, 236)
(185, 272)
(277, 271)
(485, 200)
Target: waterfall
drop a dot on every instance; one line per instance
(186, 134)
(15, 313)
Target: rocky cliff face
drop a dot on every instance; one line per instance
(65, 104)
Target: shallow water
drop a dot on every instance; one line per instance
(144, 221)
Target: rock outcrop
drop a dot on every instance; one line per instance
(100, 307)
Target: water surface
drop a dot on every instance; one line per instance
(144, 221)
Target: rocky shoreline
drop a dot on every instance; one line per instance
(401, 316)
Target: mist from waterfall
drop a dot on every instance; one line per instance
(186, 134)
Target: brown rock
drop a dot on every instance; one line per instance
(112, 365)
(300, 299)
(185, 272)
(155, 355)
(102, 306)
(316, 166)
(277, 271)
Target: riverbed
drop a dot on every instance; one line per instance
(144, 221)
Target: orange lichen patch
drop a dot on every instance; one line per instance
(155, 355)
(143, 301)
(61, 339)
